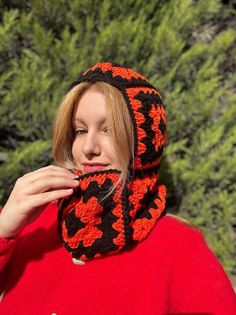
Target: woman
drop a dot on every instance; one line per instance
(122, 253)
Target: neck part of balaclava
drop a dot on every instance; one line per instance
(93, 224)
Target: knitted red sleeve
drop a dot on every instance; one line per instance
(6, 250)
(200, 283)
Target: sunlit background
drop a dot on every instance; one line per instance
(186, 48)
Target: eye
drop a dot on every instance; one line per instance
(80, 131)
(105, 129)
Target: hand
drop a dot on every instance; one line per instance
(31, 194)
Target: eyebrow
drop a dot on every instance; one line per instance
(80, 120)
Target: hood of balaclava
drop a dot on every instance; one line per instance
(92, 225)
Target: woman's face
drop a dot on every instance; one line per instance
(92, 148)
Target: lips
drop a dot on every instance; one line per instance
(88, 168)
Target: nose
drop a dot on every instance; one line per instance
(91, 146)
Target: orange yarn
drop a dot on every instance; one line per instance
(92, 226)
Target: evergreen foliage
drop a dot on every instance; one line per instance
(186, 48)
(28, 158)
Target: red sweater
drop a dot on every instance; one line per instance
(172, 271)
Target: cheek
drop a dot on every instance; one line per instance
(110, 151)
(76, 150)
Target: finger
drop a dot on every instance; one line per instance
(49, 184)
(52, 168)
(43, 172)
(47, 197)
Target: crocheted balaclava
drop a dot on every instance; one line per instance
(92, 226)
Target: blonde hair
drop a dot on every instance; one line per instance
(182, 220)
(118, 120)
(119, 124)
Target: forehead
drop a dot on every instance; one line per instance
(91, 106)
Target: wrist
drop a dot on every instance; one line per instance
(4, 233)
